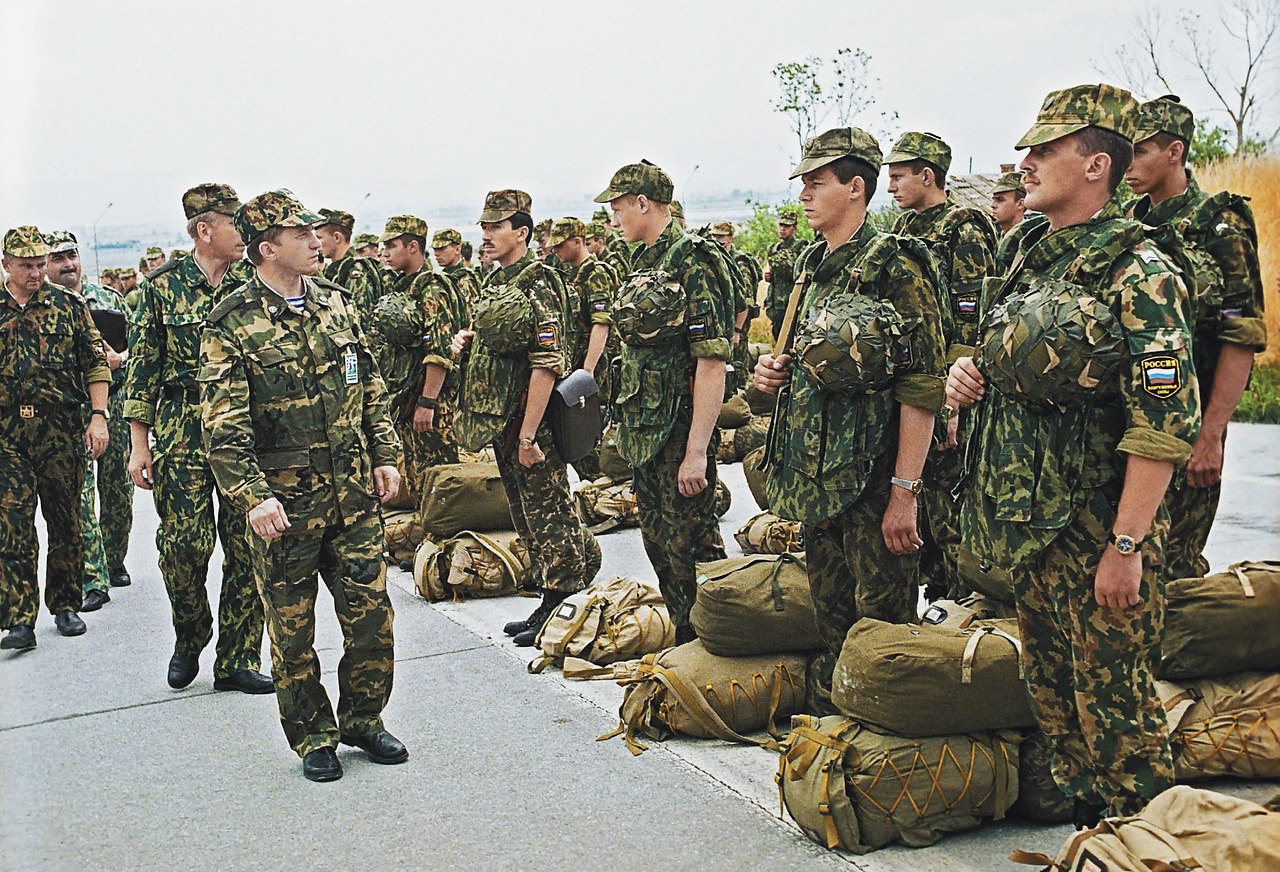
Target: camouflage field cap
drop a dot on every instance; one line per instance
(109, 273)
(210, 197)
(363, 239)
(601, 215)
(26, 241)
(501, 205)
(595, 230)
(788, 217)
(1071, 109)
(1010, 182)
(722, 228)
(446, 237)
(155, 251)
(677, 209)
(918, 145)
(831, 145)
(565, 229)
(62, 240)
(1165, 115)
(338, 218)
(401, 225)
(279, 208)
(642, 178)
(178, 253)
(126, 272)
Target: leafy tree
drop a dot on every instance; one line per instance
(760, 231)
(817, 93)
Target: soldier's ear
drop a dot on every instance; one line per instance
(1098, 167)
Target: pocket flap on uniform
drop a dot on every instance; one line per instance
(272, 355)
(1158, 340)
(291, 458)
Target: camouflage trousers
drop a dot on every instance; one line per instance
(543, 513)
(41, 460)
(852, 575)
(1192, 511)
(940, 524)
(422, 451)
(678, 532)
(184, 492)
(349, 559)
(106, 538)
(588, 466)
(1088, 667)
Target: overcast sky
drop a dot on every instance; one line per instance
(429, 105)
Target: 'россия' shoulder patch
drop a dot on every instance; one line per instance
(549, 335)
(1161, 375)
(698, 327)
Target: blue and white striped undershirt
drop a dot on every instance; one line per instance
(297, 302)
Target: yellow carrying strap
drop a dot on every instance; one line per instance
(1238, 569)
(971, 651)
(783, 343)
(696, 704)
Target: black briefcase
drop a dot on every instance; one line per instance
(574, 409)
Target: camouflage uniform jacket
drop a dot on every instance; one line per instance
(165, 349)
(964, 240)
(467, 280)
(752, 274)
(656, 380)
(592, 286)
(293, 406)
(98, 297)
(618, 255)
(360, 277)
(1033, 467)
(782, 263)
(1233, 312)
(824, 444)
(444, 314)
(49, 349)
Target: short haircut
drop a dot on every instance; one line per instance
(345, 233)
(205, 217)
(522, 219)
(1163, 140)
(847, 167)
(919, 165)
(253, 249)
(413, 237)
(1095, 140)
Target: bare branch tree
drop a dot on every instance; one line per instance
(814, 90)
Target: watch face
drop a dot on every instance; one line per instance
(1125, 544)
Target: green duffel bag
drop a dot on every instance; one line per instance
(850, 787)
(1039, 796)
(922, 680)
(755, 605)
(755, 477)
(734, 413)
(463, 496)
(1222, 623)
(985, 578)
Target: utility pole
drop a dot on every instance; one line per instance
(97, 266)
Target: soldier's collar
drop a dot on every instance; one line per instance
(510, 272)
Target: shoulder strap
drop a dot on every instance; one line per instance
(228, 303)
(1103, 248)
(1208, 214)
(163, 268)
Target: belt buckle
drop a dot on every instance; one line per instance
(26, 411)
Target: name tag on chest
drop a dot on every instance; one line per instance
(351, 367)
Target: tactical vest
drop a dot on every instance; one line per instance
(823, 444)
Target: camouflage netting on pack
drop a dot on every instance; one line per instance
(400, 319)
(851, 344)
(471, 565)
(1052, 345)
(850, 787)
(1222, 623)
(503, 319)
(689, 691)
(755, 605)
(650, 308)
(1224, 726)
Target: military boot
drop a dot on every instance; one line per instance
(1086, 813)
(550, 600)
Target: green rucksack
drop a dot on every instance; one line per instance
(852, 344)
(650, 308)
(1199, 232)
(400, 319)
(503, 319)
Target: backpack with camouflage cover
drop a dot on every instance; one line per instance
(650, 308)
(503, 319)
(372, 270)
(400, 319)
(1200, 232)
(851, 343)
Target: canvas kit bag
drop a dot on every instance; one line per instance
(1222, 623)
(1224, 726)
(472, 565)
(403, 533)
(755, 605)
(766, 533)
(615, 620)
(463, 496)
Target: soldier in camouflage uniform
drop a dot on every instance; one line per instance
(964, 242)
(591, 284)
(298, 437)
(107, 541)
(162, 403)
(1008, 202)
(366, 245)
(671, 382)
(358, 275)
(154, 258)
(1072, 459)
(617, 253)
(780, 272)
(51, 365)
(1229, 322)
(420, 313)
(519, 347)
(127, 285)
(847, 460)
(747, 309)
(446, 246)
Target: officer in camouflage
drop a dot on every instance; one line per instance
(747, 309)
(154, 258)
(1229, 324)
(446, 246)
(851, 432)
(780, 272)
(51, 364)
(127, 278)
(162, 403)
(1072, 460)
(518, 348)
(964, 242)
(347, 269)
(106, 542)
(1008, 202)
(298, 437)
(674, 315)
(366, 245)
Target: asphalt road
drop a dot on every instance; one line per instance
(102, 766)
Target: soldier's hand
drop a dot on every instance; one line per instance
(768, 274)
(423, 419)
(96, 437)
(386, 479)
(965, 383)
(114, 358)
(1204, 467)
(692, 477)
(140, 468)
(531, 456)
(1118, 580)
(771, 372)
(899, 528)
(461, 342)
(953, 433)
(268, 519)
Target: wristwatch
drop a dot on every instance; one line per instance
(103, 413)
(526, 443)
(426, 402)
(1126, 545)
(915, 487)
